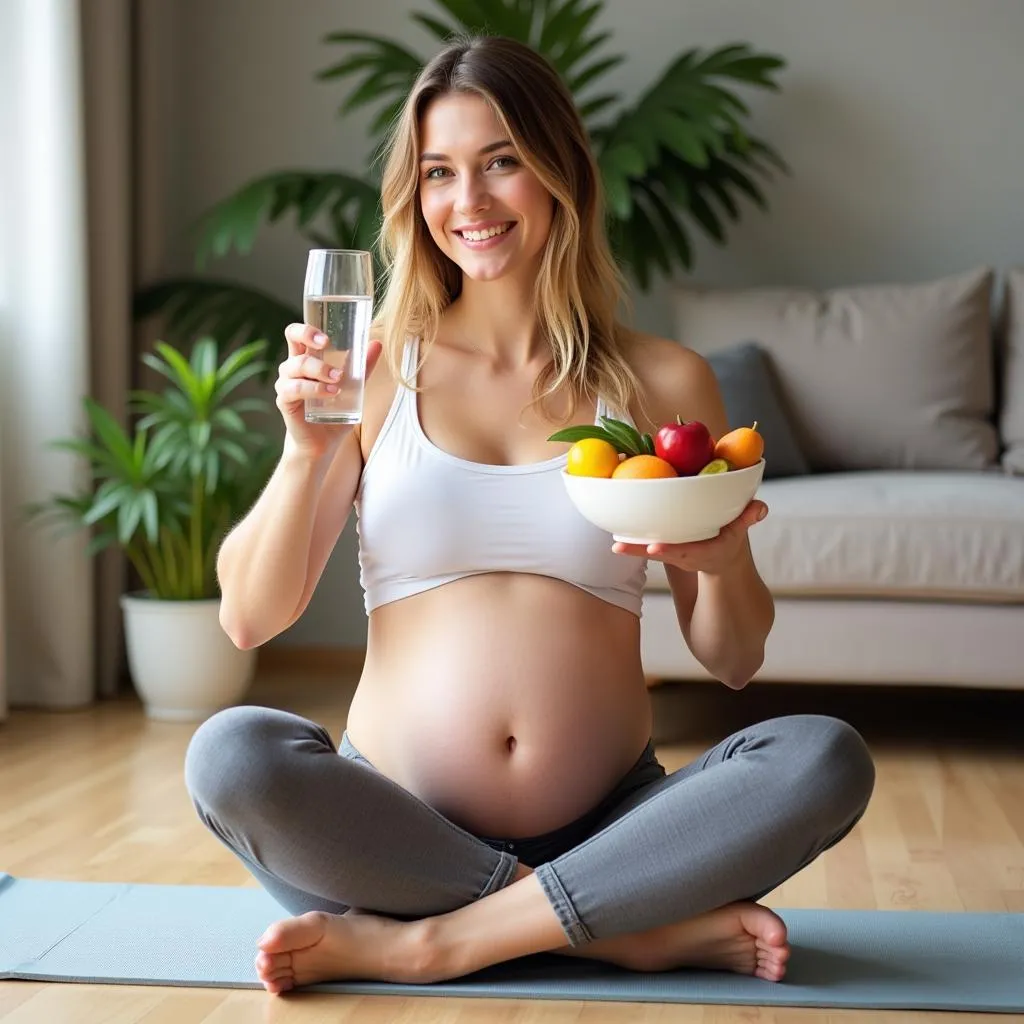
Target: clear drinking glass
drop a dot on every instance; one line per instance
(337, 299)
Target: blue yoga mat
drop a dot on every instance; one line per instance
(206, 936)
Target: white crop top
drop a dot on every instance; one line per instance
(426, 518)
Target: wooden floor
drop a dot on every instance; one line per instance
(98, 795)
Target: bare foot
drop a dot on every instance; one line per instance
(330, 947)
(742, 937)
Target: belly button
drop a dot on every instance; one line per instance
(510, 743)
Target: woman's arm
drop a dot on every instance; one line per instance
(271, 562)
(725, 610)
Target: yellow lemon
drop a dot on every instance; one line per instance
(592, 457)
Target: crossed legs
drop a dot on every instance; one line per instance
(666, 879)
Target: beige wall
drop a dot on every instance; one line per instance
(902, 120)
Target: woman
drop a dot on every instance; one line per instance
(496, 792)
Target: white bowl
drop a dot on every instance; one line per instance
(673, 510)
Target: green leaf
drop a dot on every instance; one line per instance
(436, 28)
(572, 39)
(580, 433)
(557, 20)
(730, 174)
(390, 64)
(594, 106)
(706, 217)
(679, 136)
(212, 473)
(103, 506)
(652, 240)
(373, 86)
(239, 358)
(110, 433)
(672, 230)
(151, 516)
(179, 371)
(627, 438)
(350, 66)
(387, 48)
(582, 79)
(234, 451)
(199, 434)
(204, 361)
(234, 222)
(474, 16)
(228, 419)
(129, 513)
(625, 160)
(618, 195)
(239, 377)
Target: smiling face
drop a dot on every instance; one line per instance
(484, 208)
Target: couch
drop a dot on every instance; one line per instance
(894, 431)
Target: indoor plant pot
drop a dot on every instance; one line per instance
(182, 663)
(166, 493)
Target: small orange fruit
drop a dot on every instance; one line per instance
(643, 467)
(742, 447)
(592, 457)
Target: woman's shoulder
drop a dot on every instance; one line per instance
(674, 380)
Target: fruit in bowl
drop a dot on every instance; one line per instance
(678, 487)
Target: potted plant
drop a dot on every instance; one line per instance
(676, 159)
(166, 493)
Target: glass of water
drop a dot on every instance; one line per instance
(337, 299)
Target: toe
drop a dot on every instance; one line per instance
(295, 933)
(772, 954)
(277, 987)
(765, 925)
(268, 963)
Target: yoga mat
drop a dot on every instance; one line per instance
(206, 936)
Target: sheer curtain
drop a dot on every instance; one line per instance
(65, 284)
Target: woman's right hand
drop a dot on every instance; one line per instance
(304, 375)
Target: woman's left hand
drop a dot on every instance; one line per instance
(709, 556)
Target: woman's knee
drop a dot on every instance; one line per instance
(834, 764)
(236, 752)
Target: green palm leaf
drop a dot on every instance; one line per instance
(347, 206)
(680, 151)
(392, 66)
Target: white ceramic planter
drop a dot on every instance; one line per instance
(183, 664)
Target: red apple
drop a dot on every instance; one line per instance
(688, 447)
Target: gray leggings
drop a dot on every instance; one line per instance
(325, 832)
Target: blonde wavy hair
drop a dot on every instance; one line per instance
(578, 287)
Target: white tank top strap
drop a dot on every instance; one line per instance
(405, 399)
(410, 354)
(396, 422)
(604, 409)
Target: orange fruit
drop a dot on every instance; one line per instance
(643, 467)
(743, 447)
(592, 457)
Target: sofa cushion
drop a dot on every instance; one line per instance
(874, 377)
(1011, 376)
(749, 394)
(932, 535)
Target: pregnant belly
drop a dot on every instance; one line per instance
(511, 704)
